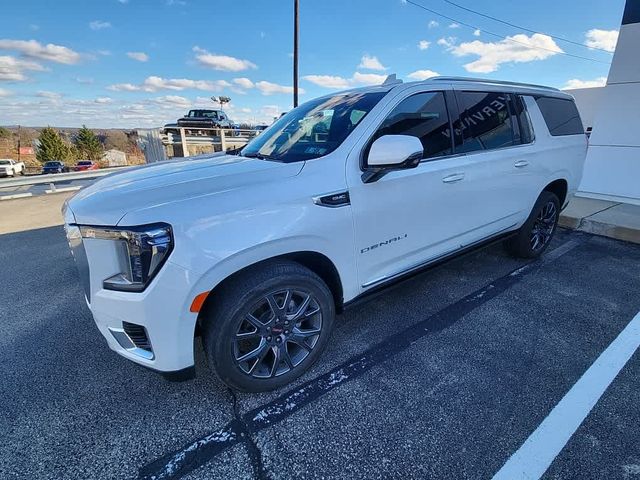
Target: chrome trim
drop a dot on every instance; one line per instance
(417, 266)
(125, 342)
(318, 199)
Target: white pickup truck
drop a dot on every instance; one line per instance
(9, 168)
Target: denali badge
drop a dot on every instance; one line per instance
(386, 242)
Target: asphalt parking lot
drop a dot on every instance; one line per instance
(444, 376)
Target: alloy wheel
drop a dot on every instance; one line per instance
(277, 333)
(543, 226)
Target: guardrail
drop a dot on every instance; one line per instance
(59, 177)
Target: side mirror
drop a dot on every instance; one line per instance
(392, 152)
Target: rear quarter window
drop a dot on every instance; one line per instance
(561, 116)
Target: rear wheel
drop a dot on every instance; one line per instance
(536, 233)
(268, 326)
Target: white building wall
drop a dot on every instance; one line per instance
(612, 168)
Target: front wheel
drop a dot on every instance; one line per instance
(536, 233)
(267, 326)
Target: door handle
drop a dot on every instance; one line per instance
(521, 163)
(455, 177)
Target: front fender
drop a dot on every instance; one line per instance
(272, 249)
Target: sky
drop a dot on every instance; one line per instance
(144, 63)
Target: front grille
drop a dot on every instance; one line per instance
(138, 335)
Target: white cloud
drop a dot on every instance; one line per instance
(368, 78)
(14, 69)
(4, 92)
(371, 63)
(337, 82)
(328, 81)
(422, 74)
(49, 95)
(139, 56)
(454, 25)
(174, 101)
(243, 82)
(33, 27)
(576, 83)
(104, 53)
(154, 83)
(605, 39)
(268, 88)
(84, 80)
(518, 48)
(476, 32)
(34, 49)
(423, 44)
(221, 62)
(447, 42)
(99, 25)
(433, 24)
(123, 1)
(104, 100)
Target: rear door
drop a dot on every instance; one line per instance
(500, 159)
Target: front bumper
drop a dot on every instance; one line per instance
(160, 310)
(153, 328)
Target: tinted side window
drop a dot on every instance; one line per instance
(485, 121)
(523, 130)
(425, 116)
(560, 115)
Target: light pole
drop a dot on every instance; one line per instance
(295, 52)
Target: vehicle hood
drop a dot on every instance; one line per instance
(106, 201)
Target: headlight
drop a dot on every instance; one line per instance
(141, 252)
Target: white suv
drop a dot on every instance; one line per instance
(257, 251)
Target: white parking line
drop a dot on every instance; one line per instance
(63, 189)
(17, 195)
(535, 455)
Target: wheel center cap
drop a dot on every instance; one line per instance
(277, 330)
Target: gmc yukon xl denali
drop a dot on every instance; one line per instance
(256, 251)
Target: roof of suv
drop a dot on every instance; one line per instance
(465, 82)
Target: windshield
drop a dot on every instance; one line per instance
(52, 164)
(203, 114)
(314, 129)
(84, 163)
(5, 162)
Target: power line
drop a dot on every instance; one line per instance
(555, 37)
(503, 37)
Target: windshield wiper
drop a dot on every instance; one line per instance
(258, 155)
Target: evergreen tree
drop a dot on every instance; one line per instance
(51, 146)
(5, 133)
(88, 145)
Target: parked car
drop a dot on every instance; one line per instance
(83, 165)
(345, 194)
(202, 118)
(53, 167)
(9, 168)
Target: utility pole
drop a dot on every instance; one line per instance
(296, 7)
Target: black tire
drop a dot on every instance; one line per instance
(250, 292)
(536, 233)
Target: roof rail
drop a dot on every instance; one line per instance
(496, 82)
